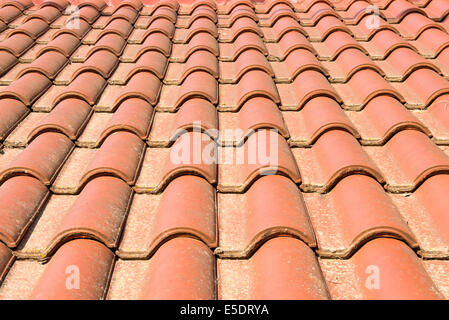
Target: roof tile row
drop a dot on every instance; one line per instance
(93, 117)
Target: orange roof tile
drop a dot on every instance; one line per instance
(201, 149)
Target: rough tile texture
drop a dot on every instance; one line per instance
(202, 149)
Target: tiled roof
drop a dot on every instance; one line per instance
(96, 99)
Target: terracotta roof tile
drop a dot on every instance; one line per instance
(142, 84)
(232, 72)
(253, 83)
(154, 41)
(355, 12)
(226, 8)
(292, 273)
(224, 150)
(177, 160)
(198, 26)
(397, 10)
(279, 11)
(82, 256)
(42, 159)
(315, 12)
(242, 25)
(12, 112)
(394, 259)
(102, 62)
(201, 60)
(159, 13)
(118, 26)
(48, 64)
(364, 86)
(86, 86)
(32, 28)
(199, 12)
(47, 14)
(182, 268)
(296, 62)
(17, 44)
(437, 10)
(384, 42)
(348, 63)
(405, 174)
(7, 61)
(288, 43)
(192, 214)
(201, 41)
(240, 167)
(153, 61)
(110, 159)
(256, 113)
(89, 14)
(108, 197)
(334, 155)
(402, 62)
(23, 197)
(188, 8)
(194, 114)
(367, 28)
(245, 41)
(344, 233)
(307, 85)
(376, 129)
(414, 24)
(65, 43)
(236, 13)
(6, 259)
(282, 213)
(325, 27)
(320, 114)
(196, 84)
(280, 27)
